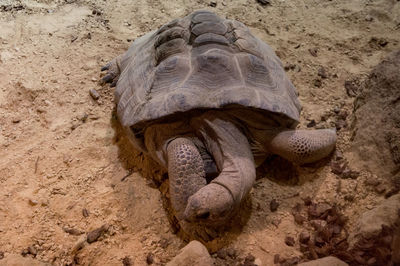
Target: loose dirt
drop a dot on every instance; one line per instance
(65, 169)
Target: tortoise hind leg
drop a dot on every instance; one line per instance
(303, 146)
(113, 71)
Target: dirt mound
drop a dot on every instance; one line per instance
(376, 125)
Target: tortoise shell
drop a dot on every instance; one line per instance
(201, 62)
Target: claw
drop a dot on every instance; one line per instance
(114, 83)
(106, 67)
(108, 78)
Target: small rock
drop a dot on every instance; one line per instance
(32, 250)
(222, 254)
(322, 73)
(1, 255)
(96, 12)
(371, 222)
(150, 258)
(72, 231)
(351, 88)
(95, 234)
(369, 18)
(307, 201)
(340, 123)
(375, 42)
(290, 241)
(79, 244)
(75, 126)
(313, 51)
(249, 260)
(94, 94)
(319, 210)
(258, 262)
(348, 173)
(317, 83)
(304, 237)
(273, 205)
(327, 261)
(164, 243)
(380, 189)
(291, 261)
(298, 218)
(126, 261)
(85, 212)
(16, 120)
(213, 4)
(318, 225)
(264, 2)
(231, 253)
(84, 117)
(289, 67)
(33, 202)
(193, 253)
(340, 168)
(312, 123)
(24, 252)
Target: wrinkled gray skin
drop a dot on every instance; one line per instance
(210, 102)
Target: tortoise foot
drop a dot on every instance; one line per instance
(113, 71)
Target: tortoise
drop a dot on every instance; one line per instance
(209, 102)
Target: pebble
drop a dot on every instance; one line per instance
(380, 189)
(150, 258)
(79, 244)
(312, 123)
(126, 261)
(327, 261)
(96, 12)
(72, 231)
(369, 18)
(222, 253)
(32, 250)
(273, 205)
(94, 94)
(85, 212)
(317, 83)
(95, 234)
(193, 253)
(307, 201)
(313, 51)
(1, 255)
(33, 202)
(249, 260)
(322, 72)
(372, 222)
(304, 237)
(290, 241)
(264, 2)
(351, 88)
(298, 218)
(213, 4)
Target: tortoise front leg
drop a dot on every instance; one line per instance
(186, 173)
(302, 146)
(216, 202)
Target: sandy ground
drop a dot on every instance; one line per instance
(63, 164)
